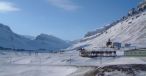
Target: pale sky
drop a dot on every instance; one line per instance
(66, 19)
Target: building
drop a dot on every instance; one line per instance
(127, 45)
(109, 43)
(135, 53)
(117, 45)
(97, 53)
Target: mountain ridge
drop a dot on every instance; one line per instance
(9, 39)
(129, 29)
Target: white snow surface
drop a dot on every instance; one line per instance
(65, 58)
(118, 73)
(55, 64)
(33, 70)
(132, 31)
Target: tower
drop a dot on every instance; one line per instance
(109, 43)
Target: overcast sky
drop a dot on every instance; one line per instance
(66, 19)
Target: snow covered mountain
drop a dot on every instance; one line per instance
(9, 39)
(129, 29)
(49, 41)
(29, 37)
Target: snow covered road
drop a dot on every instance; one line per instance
(35, 70)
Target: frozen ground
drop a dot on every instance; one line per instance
(34, 70)
(56, 64)
(123, 70)
(66, 58)
(118, 73)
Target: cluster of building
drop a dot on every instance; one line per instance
(117, 45)
(111, 50)
(99, 53)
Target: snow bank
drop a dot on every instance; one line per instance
(126, 60)
(32, 70)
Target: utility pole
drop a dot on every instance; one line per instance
(70, 59)
(12, 39)
(10, 58)
(100, 60)
(13, 45)
(40, 60)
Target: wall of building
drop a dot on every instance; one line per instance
(135, 53)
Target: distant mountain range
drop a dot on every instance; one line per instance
(9, 39)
